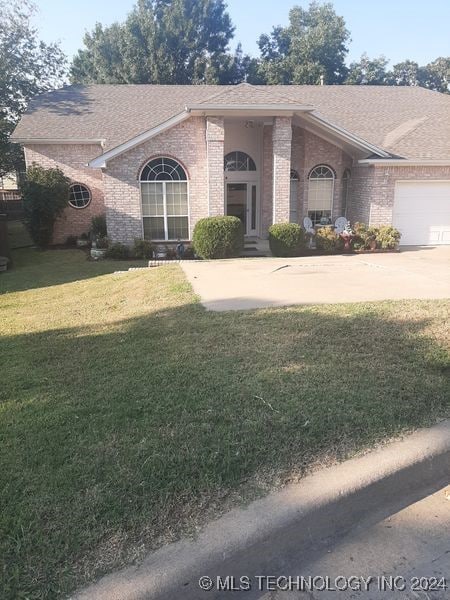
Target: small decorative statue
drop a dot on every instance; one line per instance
(180, 250)
(347, 235)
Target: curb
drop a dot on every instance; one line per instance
(256, 539)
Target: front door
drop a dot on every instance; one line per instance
(241, 202)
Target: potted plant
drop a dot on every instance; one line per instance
(4, 260)
(347, 235)
(83, 240)
(99, 247)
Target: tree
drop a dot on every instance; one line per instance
(407, 72)
(27, 67)
(368, 71)
(436, 75)
(45, 193)
(311, 47)
(162, 41)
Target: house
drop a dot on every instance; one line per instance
(157, 159)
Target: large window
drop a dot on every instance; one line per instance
(238, 161)
(345, 191)
(164, 194)
(320, 195)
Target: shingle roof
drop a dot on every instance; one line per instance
(408, 121)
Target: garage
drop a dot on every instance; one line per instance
(422, 212)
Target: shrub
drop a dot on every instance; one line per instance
(102, 242)
(143, 249)
(328, 240)
(71, 240)
(365, 236)
(45, 193)
(387, 237)
(98, 226)
(218, 237)
(286, 239)
(118, 251)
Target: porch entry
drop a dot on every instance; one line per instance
(242, 202)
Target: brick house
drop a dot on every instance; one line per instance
(156, 159)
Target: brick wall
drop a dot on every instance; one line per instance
(281, 143)
(373, 189)
(267, 185)
(186, 142)
(215, 136)
(72, 159)
(318, 151)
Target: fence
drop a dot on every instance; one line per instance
(11, 204)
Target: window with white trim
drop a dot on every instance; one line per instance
(164, 196)
(79, 195)
(345, 191)
(320, 195)
(238, 161)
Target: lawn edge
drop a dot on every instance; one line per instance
(256, 538)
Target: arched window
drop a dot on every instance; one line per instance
(345, 191)
(320, 195)
(79, 195)
(164, 195)
(238, 161)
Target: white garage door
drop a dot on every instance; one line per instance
(422, 212)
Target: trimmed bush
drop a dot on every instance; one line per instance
(98, 226)
(118, 251)
(286, 239)
(387, 237)
(45, 194)
(218, 237)
(143, 249)
(327, 240)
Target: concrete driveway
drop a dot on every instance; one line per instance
(236, 284)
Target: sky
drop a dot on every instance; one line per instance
(399, 29)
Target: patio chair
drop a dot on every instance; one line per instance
(309, 230)
(340, 224)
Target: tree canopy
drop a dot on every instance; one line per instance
(310, 49)
(28, 67)
(162, 41)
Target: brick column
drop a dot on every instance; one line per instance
(215, 134)
(282, 137)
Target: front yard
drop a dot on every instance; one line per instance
(130, 415)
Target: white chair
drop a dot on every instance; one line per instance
(309, 229)
(340, 224)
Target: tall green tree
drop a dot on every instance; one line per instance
(368, 71)
(162, 41)
(311, 48)
(436, 75)
(28, 67)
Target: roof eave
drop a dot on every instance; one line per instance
(255, 108)
(100, 161)
(406, 162)
(30, 140)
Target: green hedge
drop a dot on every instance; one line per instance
(218, 237)
(286, 239)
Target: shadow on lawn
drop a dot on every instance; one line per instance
(33, 268)
(117, 441)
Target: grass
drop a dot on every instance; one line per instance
(129, 415)
(18, 236)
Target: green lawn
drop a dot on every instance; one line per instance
(130, 415)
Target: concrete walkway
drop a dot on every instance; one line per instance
(235, 284)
